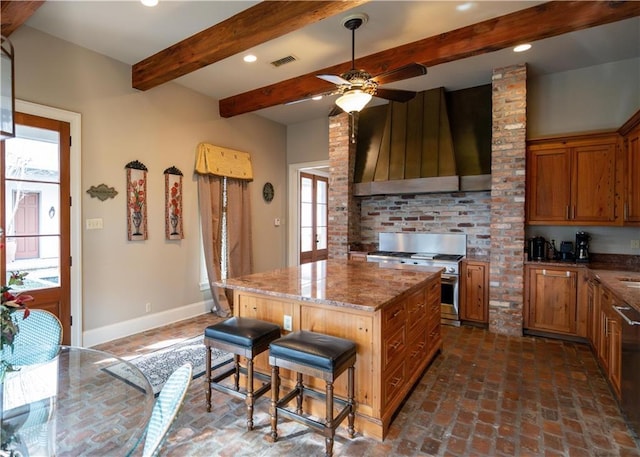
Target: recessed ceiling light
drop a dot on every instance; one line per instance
(464, 6)
(249, 58)
(149, 2)
(522, 47)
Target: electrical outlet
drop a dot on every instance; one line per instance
(288, 323)
(147, 308)
(635, 244)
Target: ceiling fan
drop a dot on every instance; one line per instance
(357, 87)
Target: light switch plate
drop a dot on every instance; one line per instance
(94, 224)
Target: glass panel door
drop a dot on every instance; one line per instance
(313, 217)
(35, 195)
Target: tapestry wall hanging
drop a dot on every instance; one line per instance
(173, 203)
(136, 201)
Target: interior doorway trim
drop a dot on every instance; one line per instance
(293, 244)
(75, 120)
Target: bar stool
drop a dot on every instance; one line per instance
(245, 337)
(320, 356)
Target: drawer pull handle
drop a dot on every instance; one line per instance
(394, 315)
(396, 345)
(395, 381)
(619, 309)
(566, 273)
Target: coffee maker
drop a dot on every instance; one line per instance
(582, 247)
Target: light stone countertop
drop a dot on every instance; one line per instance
(367, 286)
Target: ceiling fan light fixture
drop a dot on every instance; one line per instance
(353, 100)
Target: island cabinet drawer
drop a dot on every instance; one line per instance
(393, 347)
(394, 316)
(417, 352)
(392, 383)
(416, 312)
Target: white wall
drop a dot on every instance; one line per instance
(308, 141)
(594, 98)
(161, 128)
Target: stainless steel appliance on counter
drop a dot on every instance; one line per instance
(630, 364)
(428, 249)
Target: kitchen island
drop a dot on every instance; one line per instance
(391, 312)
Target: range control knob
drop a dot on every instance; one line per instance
(451, 270)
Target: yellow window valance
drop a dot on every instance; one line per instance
(219, 161)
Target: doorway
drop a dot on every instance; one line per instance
(314, 197)
(35, 213)
(318, 168)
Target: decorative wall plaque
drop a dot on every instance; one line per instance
(136, 201)
(173, 204)
(102, 192)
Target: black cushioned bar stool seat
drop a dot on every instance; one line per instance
(244, 337)
(321, 356)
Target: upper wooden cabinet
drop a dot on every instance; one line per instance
(573, 180)
(630, 132)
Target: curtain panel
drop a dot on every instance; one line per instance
(213, 165)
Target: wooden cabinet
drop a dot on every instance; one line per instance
(631, 142)
(474, 291)
(572, 180)
(551, 299)
(593, 312)
(609, 347)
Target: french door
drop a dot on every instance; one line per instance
(35, 213)
(314, 192)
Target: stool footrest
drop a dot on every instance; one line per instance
(259, 392)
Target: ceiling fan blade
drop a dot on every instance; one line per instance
(395, 95)
(311, 97)
(408, 71)
(335, 79)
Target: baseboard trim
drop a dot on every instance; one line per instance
(140, 324)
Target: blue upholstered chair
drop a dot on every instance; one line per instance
(166, 409)
(38, 339)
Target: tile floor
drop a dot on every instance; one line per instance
(484, 395)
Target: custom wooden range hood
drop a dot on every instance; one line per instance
(437, 142)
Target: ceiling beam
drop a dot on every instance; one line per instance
(256, 25)
(536, 23)
(14, 14)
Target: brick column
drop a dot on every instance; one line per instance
(344, 210)
(508, 152)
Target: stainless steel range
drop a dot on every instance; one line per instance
(436, 250)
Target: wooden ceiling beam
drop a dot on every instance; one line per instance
(15, 13)
(261, 23)
(536, 23)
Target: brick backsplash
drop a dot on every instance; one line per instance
(459, 212)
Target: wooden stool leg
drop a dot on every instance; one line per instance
(350, 399)
(208, 377)
(299, 397)
(329, 429)
(236, 375)
(273, 410)
(249, 399)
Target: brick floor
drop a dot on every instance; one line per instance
(484, 395)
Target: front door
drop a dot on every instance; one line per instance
(314, 192)
(35, 199)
